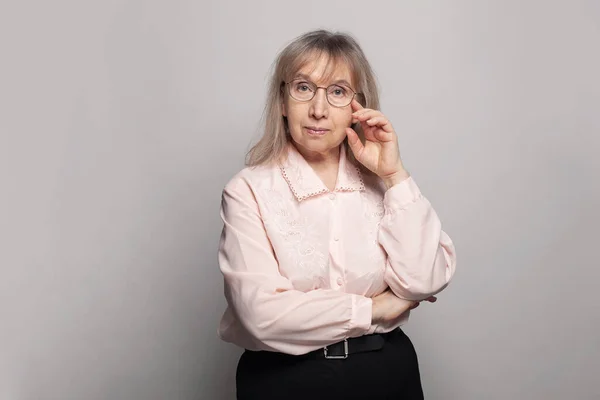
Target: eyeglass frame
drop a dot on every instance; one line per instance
(320, 87)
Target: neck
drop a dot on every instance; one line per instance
(320, 160)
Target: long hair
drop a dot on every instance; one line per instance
(337, 47)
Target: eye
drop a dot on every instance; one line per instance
(338, 91)
(302, 87)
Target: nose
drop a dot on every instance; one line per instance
(319, 107)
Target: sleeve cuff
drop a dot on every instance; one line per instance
(401, 195)
(360, 322)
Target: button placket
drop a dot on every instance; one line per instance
(334, 228)
(336, 274)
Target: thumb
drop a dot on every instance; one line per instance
(354, 142)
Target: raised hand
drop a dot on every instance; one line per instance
(380, 153)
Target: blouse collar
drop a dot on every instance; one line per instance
(304, 181)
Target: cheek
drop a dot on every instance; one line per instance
(295, 113)
(343, 118)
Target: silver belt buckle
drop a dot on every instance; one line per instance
(338, 357)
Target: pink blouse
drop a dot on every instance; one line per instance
(301, 262)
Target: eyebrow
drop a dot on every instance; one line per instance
(338, 81)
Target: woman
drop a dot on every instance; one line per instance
(327, 241)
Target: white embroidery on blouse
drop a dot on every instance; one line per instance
(373, 212)
(298, 242)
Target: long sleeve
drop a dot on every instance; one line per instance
(421, 257)
(278, 317)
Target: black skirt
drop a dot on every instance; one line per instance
(389, 373)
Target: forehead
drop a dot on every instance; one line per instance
(323, 69)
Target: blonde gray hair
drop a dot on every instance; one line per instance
(337, 47)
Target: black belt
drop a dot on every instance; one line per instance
(341, 350)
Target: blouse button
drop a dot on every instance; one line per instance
(332, 196)
(339, 281)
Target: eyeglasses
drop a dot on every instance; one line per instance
(338, 95)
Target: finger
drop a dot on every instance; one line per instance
(356, 105)
(369, 133)
(378, 121)
(383, 135)
(376, 118)
(431, 299)
(354, 142)
(366, 113)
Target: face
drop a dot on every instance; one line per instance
(316, 127)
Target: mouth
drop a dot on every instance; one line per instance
(316, 131)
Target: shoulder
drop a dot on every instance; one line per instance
(250, 178)
(248, 188)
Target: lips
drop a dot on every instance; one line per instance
(315, 130)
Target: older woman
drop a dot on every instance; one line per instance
(327, 243)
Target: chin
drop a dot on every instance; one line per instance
(319, 145)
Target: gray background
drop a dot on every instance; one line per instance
(121, 122)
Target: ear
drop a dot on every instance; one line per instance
(283, 110)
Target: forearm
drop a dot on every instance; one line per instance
(421, 257)
(295, 322)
